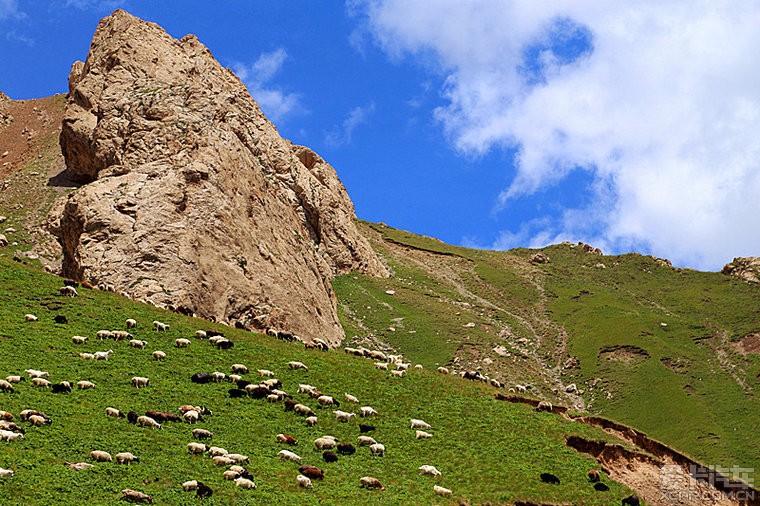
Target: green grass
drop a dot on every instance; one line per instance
(487, 450)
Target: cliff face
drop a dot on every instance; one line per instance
(192, 199)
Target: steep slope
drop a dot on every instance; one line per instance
(672, 352)
(192, 200)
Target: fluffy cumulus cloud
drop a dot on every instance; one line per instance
(276, 103)
(657, 101)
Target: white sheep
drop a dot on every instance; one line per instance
(102, 355)
(190, 485)
(377, 449)
(302, 409)
(85, 385)
(421, 434)
(288, 455)
(351, 398)
(234, 378)
(100, 456)
(119, 335)
(403, 366)
(398, 374)
(146, 421)
(216, 451)
(343, 416)
(222, 460)
(311, 421)
(237, 458)
(239, 368)
(429, 471)
(37, 420)
(245, 483)
(113, 412)
(443, 370)
(160, 327)
(136, 343)
(79, 339)
(7, 435)
(202, 434)
(265, 372)
(441, 491)
(297, 365)
(6, 473)
(368, 411)
(366, 441)
(140, 381)
(87, 356)
(68, 291)
(181, 343)
(324, 443)
(196, 448)
(191, 416)
(381, 365)
(418, 367)
(159, 355)
(304, 388)
(273, 397)
(218, 376)
(7, 386)
(200, 334)
(325, 400)
(131, 323)
(104, 334)
(30, 318)
(125, 458)
(231, 475)
(419, 424)
(34, 373)
(40, 382)
(302, 480)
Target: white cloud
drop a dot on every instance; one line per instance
(100, 5)
(9, 10)
(661, 105)
(276, 103)
(342, 134)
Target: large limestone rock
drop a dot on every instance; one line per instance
(192, 200)
(744, 268)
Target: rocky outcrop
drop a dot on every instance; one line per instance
(191, 199)
(744, 268)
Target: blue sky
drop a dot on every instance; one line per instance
(493, 124)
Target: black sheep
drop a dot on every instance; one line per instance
(366, 428)
(203, 491)
(329, 456)
(549, 478)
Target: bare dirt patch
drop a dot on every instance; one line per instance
(679, 364)
(747, 344)
(624, 353)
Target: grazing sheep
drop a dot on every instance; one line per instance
(273, 397)
(231, 475)
(7, 387)
(346, 449)
(369, 482)
(125, 458)
(343, 416)
(25, 414)
(162, 416)
(196, 448)
(222, 460)
(418, 367)
(79, 339)
(631, 500)
(87, 356)
(102, 355)
(15, 378)
(368, 411)
(160, 327)
(311, 421)
(201, 334)
(303, 410)
(398, 374)
(245, 483)
(234, 378)
(593, 476)
(267, 373)
(441, 491)
(202, 434)
(288, 455)
(312, 472)
(64, 387)
(216, 451)
(272, 383)
(39, 421)
(203, 491)
(85, 385)
(140, 381)
(120, 335)
(114, 412)
(377, 449)
(421, 434)
(365, 441)
(8, 473)
(100, 456)
(443, 370)
(136, 343)
(68, 291)
(351, 398)
(104, 334)
(366, 428)
(39, 382)
(34, 373)
(159, 355)
(326, 400)
(329, 456)
(30, 318)
(218, 376)
(419, 424)
(191, 416)
(287, 439)
(146, 421)
(601, 487)
(8, 425)
(297, 365)
(304, 388)
(132, 417)
(429, 471)
(381, 365)
(78, 466)
(302, 480)
(544, 406)
(135, 496)
(323, 443)
(131, 323)
(238, 458)
(549, 478)
(181, 343)
(239, 368)
(6, 415)
(7, 435)
(190, 485)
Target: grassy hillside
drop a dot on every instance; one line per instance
(651, 346)
(487, 450)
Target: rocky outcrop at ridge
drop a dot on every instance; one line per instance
(192, 199)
